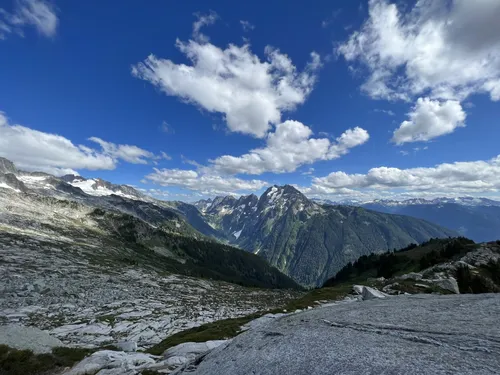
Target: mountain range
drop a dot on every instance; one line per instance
(475, 218)
(307, 240)
(127, 227)
(304, 239)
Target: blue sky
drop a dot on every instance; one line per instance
(353, 100)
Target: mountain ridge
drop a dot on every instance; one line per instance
(302, 238)
(307, 240)
(157, 232)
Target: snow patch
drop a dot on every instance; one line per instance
(238, 233)
(5, 186)
(90, 187)
(31, 179)
(225, 211)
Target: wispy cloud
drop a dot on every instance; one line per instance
(247, 26)
(39, 14)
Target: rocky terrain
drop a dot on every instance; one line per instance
(421, 334)
(54, 284)
(443, 266)
(411, 334)
(99, 269)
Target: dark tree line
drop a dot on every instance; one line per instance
(389, 264)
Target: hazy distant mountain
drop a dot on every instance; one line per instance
(475, 218)
(309, 241)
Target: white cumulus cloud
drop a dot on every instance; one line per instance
(460, 177)
(34, 150)
(250, 94)
(442, 49)
(289, 147)
(430, 119)
(203, 182)
(128, 153)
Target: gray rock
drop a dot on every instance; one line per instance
(358, 289)
(414, 335)
(34, 339)
(424, 286)
(372, 293)
(127, 346)
(389, 288)
(108, 362)
(188, 351)
(449, 284)
(411, 276)
(263, 320)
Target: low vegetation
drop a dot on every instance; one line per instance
(188, 255)
(483, 280)
(25, 362)
(228, 328)
(412, 258)
(219, 330)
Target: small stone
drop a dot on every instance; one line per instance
(127, 346)
(357, 289)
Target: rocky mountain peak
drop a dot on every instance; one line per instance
(250, 200)
(283, 197)
(6, 166)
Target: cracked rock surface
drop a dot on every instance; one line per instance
(53, 286)
(419, 334)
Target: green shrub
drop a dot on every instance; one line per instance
(25, 362)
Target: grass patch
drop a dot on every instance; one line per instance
(219, 330)
(25, 362)
(71, 355)
(328, 294)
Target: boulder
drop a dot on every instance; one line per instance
(389, 288)
(109, 362)
(411, 276)
(357, 289)
(449, 284)
(372, 293)
(127, 346)
(188, 351)
(34, 339)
